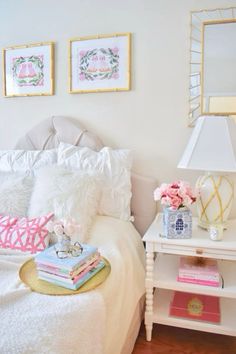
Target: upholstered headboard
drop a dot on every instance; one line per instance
(50, 132)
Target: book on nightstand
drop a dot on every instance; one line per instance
(200, 271)
(195, 306)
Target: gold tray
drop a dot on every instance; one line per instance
(28, 275)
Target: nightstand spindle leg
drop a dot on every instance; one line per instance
(149, 295)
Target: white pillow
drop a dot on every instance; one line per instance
(15, 192)
(26, 161)
(113, 166)
(66, 194)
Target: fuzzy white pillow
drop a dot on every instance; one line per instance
(15, 193)
(66, 194)
(113, 167)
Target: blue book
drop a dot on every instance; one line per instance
(50, 258)
(79, 283)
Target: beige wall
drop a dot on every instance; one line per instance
(151, 119)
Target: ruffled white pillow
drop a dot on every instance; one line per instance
(66, 194)
(114, 168)
(26, 160)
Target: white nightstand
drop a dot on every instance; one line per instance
(162, 260)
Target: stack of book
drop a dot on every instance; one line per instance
(70, 272)
(200, 271)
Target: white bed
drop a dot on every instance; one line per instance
(103, 321)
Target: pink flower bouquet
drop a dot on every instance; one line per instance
(175, 195)
(67, 227)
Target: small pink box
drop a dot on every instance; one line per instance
(195, 306)
(199, 271)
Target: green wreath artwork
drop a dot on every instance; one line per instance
(28, 71)
(99, 64)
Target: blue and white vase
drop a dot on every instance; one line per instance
(177, 223)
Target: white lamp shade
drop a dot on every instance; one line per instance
(212, 145)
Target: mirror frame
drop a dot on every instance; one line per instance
(204, 24)
(198, 19)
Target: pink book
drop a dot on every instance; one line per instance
(201, 271)
(195, 306)
(66, 280)
(64, 272)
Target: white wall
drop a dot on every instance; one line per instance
(151, 119)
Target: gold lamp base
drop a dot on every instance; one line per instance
(215, 200)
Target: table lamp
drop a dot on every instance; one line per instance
(212, 149)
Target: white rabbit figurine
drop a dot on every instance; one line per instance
(64, 243)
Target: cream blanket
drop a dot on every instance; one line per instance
(95, 322)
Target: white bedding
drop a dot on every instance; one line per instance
(95, 322)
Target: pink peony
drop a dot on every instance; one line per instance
(166, 200)
(115, 50)
(71, 228)
(160, 192)
(82, 53)
(67, 227)
(176, 195)
(176, 202)
(115, 76)
(59, 229)
(172, 190)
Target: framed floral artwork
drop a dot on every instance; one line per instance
(28, 70)
(99, 63)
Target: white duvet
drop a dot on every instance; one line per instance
(95, 322)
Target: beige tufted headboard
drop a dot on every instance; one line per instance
(50, 132)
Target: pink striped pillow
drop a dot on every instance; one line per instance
(24, 234)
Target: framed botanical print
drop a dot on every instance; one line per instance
(28, 70)
(100, 63)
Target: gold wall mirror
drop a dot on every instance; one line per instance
(212, 84)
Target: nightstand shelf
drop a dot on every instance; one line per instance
(162, 263)
(161, 304)
(168, 278)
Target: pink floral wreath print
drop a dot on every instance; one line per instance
(28, 71)
(99, 64)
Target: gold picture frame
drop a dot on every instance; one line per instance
(100, 63)
(28, 70)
